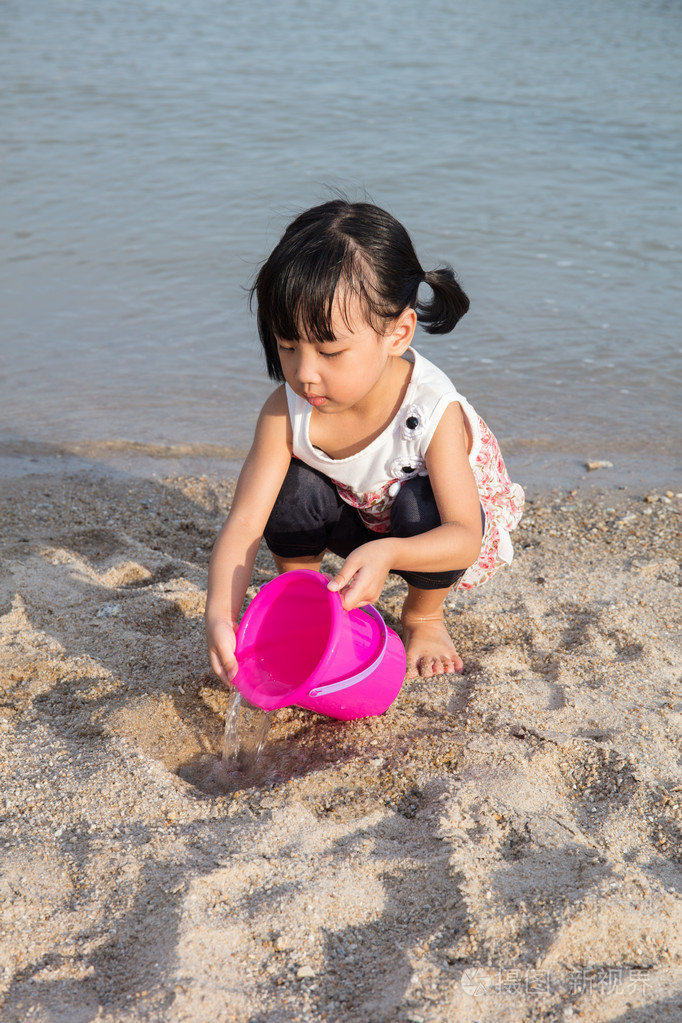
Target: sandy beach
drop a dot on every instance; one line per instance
(499, 846)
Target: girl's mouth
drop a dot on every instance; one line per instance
(315, 399)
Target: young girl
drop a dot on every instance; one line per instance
(366, 449)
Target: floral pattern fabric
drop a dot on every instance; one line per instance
(502, 502)
(374, 508)
(370, 480)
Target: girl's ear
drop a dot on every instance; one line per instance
(401, 332)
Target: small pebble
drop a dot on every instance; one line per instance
(305, 973)
(109, 610)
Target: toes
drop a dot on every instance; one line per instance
(427, 667)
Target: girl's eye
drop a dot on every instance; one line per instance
(281, 347)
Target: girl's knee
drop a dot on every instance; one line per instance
(300, 519)
(414, 510)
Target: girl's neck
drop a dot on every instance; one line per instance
(349, 432)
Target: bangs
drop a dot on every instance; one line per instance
(297, 297)
(296, 300)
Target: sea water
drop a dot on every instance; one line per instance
(153, 151)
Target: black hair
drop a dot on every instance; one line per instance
(358, 250)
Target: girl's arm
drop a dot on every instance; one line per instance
(235, 549)
(455, 544)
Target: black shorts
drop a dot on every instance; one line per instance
(309, 518)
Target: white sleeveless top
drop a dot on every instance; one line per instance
(370, 480)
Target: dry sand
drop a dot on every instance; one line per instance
(500, 846)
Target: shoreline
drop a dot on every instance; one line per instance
(499, 845)
(539, 464)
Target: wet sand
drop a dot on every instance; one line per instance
(500, 846)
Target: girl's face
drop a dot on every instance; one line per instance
(350, 371)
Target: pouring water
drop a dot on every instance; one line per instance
(246, 732)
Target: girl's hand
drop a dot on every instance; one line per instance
(221, 646)
(363, 574)
(235, 549)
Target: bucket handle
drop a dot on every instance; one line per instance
(335, 687)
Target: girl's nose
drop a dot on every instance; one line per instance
(306, 368)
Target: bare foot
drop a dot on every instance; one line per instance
(430, 651)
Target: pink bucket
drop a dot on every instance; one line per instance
(296, 646)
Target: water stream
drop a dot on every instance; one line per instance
(246, 732)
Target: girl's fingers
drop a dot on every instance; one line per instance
(347, 591)
(354, 596)
(340, 581)
(358, 591)
(224, 672)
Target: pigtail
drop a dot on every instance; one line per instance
(448, 305)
